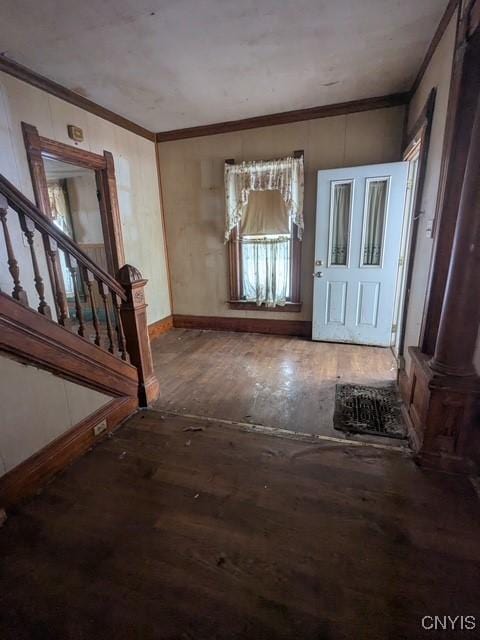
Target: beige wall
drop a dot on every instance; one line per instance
(36, 408)
(135, 166)
(437, 74)
(193, 196)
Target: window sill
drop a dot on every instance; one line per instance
(246, 305)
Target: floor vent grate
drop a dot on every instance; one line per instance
(371, 410)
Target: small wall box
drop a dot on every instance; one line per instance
(75, 133)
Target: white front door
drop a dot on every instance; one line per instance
(357, 242)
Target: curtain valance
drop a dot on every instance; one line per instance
(284, 175)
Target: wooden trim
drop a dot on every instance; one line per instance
(442, 25)
(464, 88)
(286, 117)
(301, 328)
(247, 305)
(422, 128)
(55, 150)
(159, 327)
(25, 74)
(103, 166)
(33, 338)
(29, 476)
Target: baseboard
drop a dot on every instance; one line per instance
(301, 328)
(29, 476)
(160, 326)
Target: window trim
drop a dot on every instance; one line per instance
(236, 301)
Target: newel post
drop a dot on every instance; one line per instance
(134, 319)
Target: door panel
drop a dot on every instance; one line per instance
(358, 229)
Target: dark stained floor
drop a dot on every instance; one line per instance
(181, 529)
(277, 381)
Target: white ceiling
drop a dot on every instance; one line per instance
(169, 64)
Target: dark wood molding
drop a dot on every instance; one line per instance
(464, 90)
(29, 476)
(326, 111)
(25, 74)
(442, 25)
(420, 131)
(134, 319)
(301, 328)
(160, 327)
(39, 147)
(247, 305)
(34, 339)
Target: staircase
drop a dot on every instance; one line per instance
(96, 337)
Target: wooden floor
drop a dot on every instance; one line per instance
(181, 529)
(283, 382)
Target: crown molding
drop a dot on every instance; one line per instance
(442, 25)
(286, 117)
(41, 82)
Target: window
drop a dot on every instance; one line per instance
(264, 243)
(340, 217)
(376, 199)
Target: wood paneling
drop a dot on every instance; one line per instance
(286, 117)
(29, 476)
(160, 327)
(45, 84)
(253, 325)
(240, 536)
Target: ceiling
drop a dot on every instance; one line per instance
(168, 64)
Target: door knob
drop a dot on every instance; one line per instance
(318, 274)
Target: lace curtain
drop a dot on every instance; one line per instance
(285, 175)
(266, 265)
(377, 199)
(60, 214)
(340, 223)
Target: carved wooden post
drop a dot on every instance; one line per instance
(134, 319)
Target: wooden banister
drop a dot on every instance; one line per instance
(108, 315)
(22, 205)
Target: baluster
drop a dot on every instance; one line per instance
(119, 326)
(18, 292)
(90, 279)
(28, 228)
(104, 290)
(73, 268)
(58, 292)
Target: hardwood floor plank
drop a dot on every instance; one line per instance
(238, 535)
(277, 381)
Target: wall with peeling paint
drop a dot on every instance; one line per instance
(193, 196)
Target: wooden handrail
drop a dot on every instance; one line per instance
(22, 205)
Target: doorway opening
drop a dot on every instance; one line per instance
(83, 177)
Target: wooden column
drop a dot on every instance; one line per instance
(460, 315)
(464, 90)
(134, 319)
(442, 394)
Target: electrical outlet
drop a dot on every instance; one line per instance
(100, 427)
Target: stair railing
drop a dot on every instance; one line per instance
(98, 307)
